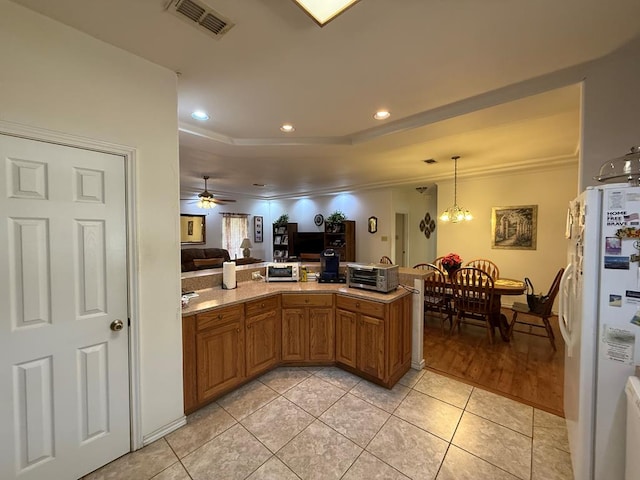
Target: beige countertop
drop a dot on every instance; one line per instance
(210, 298)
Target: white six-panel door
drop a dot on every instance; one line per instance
(64, 394)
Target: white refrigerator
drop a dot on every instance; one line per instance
(599, 317)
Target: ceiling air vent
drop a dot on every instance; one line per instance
(201, 16)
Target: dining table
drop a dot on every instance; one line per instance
(502, 286)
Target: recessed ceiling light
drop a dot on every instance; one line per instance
(382, 115)
(287, 128)
(322, 11)
(258, 184)
(200, 115)
(429, 160)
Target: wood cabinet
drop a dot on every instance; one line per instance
(308, 328)
(262, 332)
(342, 239)
(283, 241)
(374, 339)
(213, 355)
(229, 345)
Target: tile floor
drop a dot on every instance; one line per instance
(324, 423)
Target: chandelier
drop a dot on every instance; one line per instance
(455, 213)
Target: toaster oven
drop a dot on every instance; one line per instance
(283, 272)
(377, 277)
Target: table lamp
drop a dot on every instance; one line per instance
(246, 245)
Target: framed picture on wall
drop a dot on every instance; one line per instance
(257, 229)
(192, 229)
(514, 228)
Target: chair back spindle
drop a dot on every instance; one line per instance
(485, 265)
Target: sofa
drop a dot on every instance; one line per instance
(202, 258)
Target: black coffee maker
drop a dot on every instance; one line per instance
(330, 267)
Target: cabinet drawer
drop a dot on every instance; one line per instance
(256, 307)
(366, 307)
(307, 300)
(219, 316)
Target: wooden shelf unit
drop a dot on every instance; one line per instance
(283, 239)
(342, 241)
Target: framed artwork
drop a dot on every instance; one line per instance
(514, 228)
(372, 227)
(192, 229)
(257, 229)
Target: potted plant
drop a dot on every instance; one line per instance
(281, 221)
(334, 221)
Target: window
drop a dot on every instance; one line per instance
(235, 228)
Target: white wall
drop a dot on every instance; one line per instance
(611, 102)
(359, 206)
(356, 206)
(213, 223)
(416, 205)
(56, 78)
(550, 189)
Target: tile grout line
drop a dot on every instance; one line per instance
(346, 391)
(179, 460)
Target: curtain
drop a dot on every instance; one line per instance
(235, 228)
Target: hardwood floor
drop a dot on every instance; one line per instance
(525, 369)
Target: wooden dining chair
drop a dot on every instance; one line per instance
(438, 263)
(473, 298)
(423, 266)
(386, 260)
(544, 316)
(486, 266)
(436, 295)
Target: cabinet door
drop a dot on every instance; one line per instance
(219, 359)
(346, 338)
(263, 341)
(293, 334)
(321, 334)
(370, 351)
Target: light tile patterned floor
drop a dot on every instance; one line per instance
(324, 423)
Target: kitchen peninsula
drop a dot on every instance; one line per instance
(233, 336)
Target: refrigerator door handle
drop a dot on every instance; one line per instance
(563, 313)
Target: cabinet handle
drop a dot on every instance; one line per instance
(237, 330)
(306, 300)
(248, 326)
(262, 305)
(357, 304)
(219, 316)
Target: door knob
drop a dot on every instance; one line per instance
(117, 325)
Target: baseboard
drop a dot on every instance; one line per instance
(165, 430)
(418, 366)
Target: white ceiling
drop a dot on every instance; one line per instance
(427, 61)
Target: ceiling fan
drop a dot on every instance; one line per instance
(206, 199)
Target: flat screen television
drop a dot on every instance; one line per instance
(308, 242)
